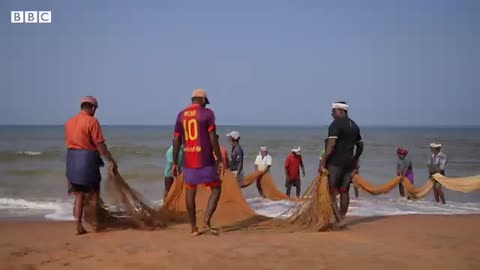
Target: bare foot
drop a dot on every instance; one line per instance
(195, 232)
(341, 225)
(208, 229)
(81, 230)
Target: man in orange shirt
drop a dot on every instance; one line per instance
(85, 143)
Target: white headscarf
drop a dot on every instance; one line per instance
(337, 105)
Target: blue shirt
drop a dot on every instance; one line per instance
(236, 158)
(169, 159)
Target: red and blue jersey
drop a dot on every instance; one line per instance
(193, 126)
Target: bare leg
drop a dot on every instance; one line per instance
(212, 204)
(168, 185)
(441, 195)
(400, 189)
(259, 186)
(435, 193)
(344, 202)
(289, 188)
(191, 208)
(94, 204)
(355, 189)
(338, 216)
(78, 213)
(298, 189)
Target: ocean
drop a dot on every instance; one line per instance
(33, 183)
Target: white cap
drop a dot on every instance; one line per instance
(234, 135)
(338, 105)
(435, 145)
(263, 148)
(297, 150)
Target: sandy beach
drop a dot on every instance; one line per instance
(400, 242)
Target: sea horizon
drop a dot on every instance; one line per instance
(260, 125)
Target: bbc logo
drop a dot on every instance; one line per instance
(31, 17)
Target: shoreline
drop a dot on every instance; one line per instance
(393, 242)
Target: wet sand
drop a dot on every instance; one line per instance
(400, 242)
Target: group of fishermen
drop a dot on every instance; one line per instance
(234, 163)
(197, 154)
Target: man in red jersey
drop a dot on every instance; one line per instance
(195, 128)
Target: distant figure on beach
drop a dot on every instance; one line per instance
(169, 177)
(293, 164)
(436, 164)
(341, 157)
(236, 156)
(85, 143)
(404, 169)
(263, 162)
(195, 127)
(226, 161)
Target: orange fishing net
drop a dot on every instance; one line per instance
(312, 212)
(232, 207)
(270, 190)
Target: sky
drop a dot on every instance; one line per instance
(278, 62)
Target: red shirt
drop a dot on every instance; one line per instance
(193, 126)
(292, 164)
(83, 132)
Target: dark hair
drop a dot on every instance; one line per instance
(197, 99)
(87, 106)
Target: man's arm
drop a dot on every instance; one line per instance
(329, 152)
(96, 134)
(240, 161)
(255, 164)
(442, 163)
(176, 149)
(429, 167)
(287, 164)
(334, 131)
(269, 164)
(301, 166)
(103, 150)
(177, 142)
(216, 146)
(359, 150)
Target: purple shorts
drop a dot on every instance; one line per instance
(198, 176)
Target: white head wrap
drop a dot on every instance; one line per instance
(297, 150)
(435, 145)
(263, 148)
(342, 106)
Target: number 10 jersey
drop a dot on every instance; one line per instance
(193, 125)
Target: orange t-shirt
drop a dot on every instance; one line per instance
(83, 132)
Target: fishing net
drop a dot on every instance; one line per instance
(251, 178)
(461, 184)
(270, 190)
(372, 189)
(312, 212)
(232, 207)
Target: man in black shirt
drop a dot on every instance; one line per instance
(341, 157)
